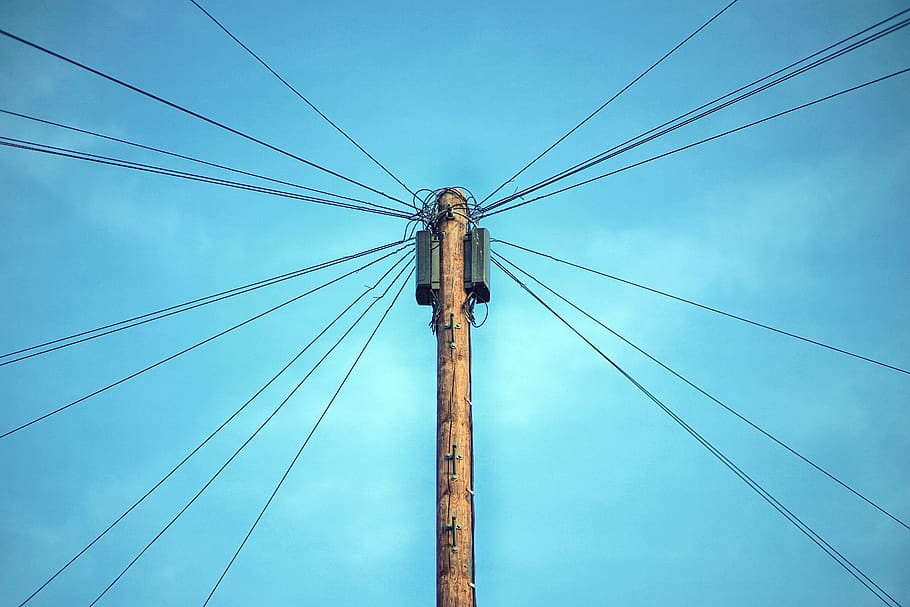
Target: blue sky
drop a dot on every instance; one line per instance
(586, 492)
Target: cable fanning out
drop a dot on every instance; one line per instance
(245, 443)
(205, 441)
(308, 437)
(301, 96)
(707, 308)
(708, 395)
(609, 101)
(148, 168)
(194, 114)
(183, 157)
(121, 325)
(845, 563)
(700, 142)
(660, 130)
(188, 349)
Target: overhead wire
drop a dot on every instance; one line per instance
(141, 319)
(610, 100)
(308, 437)
(190, 112)
(159, 170)
(301, 96)
(182, 156)
(248, 440)
(192, 347)
(660, 130)
(208, 438)
(699, 142)
(797, 522)
(703, 392)
(707, 308)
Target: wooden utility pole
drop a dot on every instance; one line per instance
(454, 450)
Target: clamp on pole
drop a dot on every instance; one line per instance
(451, 326)
(453, 457)
(453, 528)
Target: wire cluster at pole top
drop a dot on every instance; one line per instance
(427, 209)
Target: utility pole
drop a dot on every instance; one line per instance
(454, 432)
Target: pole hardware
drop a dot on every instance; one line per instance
(476, 272)
(454, 457)
(453, 528)
(477, 264)
(451, 326)
(427, 274)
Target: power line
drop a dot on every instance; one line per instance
(193, 347)
(699, 142)
(608, 101)
(190, 112)
(642, 139)
(207, 438)
(306, 440)
(182, 156)
(242, 446)
(711, 397)
(660, 130)
(839, 558)
(708, 308)
(301, 96)
(182, 307)
(159, 170)
(149, 168)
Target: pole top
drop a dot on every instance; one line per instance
(452, 196)
(452, 203)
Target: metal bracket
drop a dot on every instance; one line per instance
(453, 528)
(453, 457)
(451, 326)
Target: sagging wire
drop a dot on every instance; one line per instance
(467, 309)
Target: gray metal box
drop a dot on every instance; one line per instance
(477, 264)
(427, 267)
